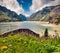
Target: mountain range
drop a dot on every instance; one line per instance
(48, 13)
(7, 15)
(38, 15)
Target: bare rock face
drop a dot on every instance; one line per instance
(55, 12)
(55, 15)
(50, 14)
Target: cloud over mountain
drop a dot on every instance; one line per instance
(27, 7)
(12, 5)
(38, 4)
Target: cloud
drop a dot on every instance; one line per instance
(39, 4)
(12, 5)
(56, 2)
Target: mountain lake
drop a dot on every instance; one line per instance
(36, 26)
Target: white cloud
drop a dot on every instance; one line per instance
(36, 5)
(56, 2)
(39, 4)
(12, 5)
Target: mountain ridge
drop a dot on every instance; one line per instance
(7, 15)
(41, 13)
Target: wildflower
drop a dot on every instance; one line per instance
(10, 45)
(3, 47)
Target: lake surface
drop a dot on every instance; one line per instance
(36, 26)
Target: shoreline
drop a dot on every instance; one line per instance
(32, 25)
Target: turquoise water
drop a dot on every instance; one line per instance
(38, 27)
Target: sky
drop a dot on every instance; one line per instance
(27, 7)
(25, 4)
(31, 6)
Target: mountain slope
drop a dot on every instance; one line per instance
(38, 15)
(53, 16)
(23, 18)
(42, 13)
(7, 15)
(13, 5)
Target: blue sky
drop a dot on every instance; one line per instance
(30, 6)
(27, 7)
(25, 4)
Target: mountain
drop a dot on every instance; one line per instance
(6, 15)
(53, 16)
(23, 18)
(13, 5)
(40, 15)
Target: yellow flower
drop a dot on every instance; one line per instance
(3, 47)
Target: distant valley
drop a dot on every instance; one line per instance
(48, 14)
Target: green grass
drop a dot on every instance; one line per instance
(28, 44)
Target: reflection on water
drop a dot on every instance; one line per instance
(35, 26)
